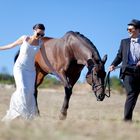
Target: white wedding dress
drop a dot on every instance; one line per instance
(23, 101)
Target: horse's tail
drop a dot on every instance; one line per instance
(16, 56)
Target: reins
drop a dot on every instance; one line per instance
(107, 81)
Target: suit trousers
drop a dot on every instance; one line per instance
(132, 87)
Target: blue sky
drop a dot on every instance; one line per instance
(104, 22)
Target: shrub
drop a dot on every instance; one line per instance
(50, 82)
(116, 84)
(6, 79)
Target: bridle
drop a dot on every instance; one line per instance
(96, 87)
(107, 82)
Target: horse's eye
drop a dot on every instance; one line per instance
(95, 74)
(102, 74)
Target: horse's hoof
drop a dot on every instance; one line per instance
(62, 116)
(37, 113)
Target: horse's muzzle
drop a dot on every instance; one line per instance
(100, 97)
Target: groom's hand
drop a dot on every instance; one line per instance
(138, 64)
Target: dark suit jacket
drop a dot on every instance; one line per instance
(122, 56)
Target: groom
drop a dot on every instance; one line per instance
(129, 55)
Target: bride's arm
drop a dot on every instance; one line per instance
(14, 44)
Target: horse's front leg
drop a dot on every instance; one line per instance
(63, 113)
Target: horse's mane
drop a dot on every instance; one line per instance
(95, 51)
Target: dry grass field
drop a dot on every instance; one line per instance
(87, 119)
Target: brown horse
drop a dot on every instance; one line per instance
(66, 57)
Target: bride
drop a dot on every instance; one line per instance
(22, 101)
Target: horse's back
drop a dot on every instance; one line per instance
(55, 51)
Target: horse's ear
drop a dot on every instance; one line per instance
(104, 58)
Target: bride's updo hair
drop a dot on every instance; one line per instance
(39, 26)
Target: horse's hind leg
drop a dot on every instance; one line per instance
(37, 108)
(39, 78)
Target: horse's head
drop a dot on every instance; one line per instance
(96, 76)
(85, 52)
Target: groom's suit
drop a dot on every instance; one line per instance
(122, 56)
(131, 82)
